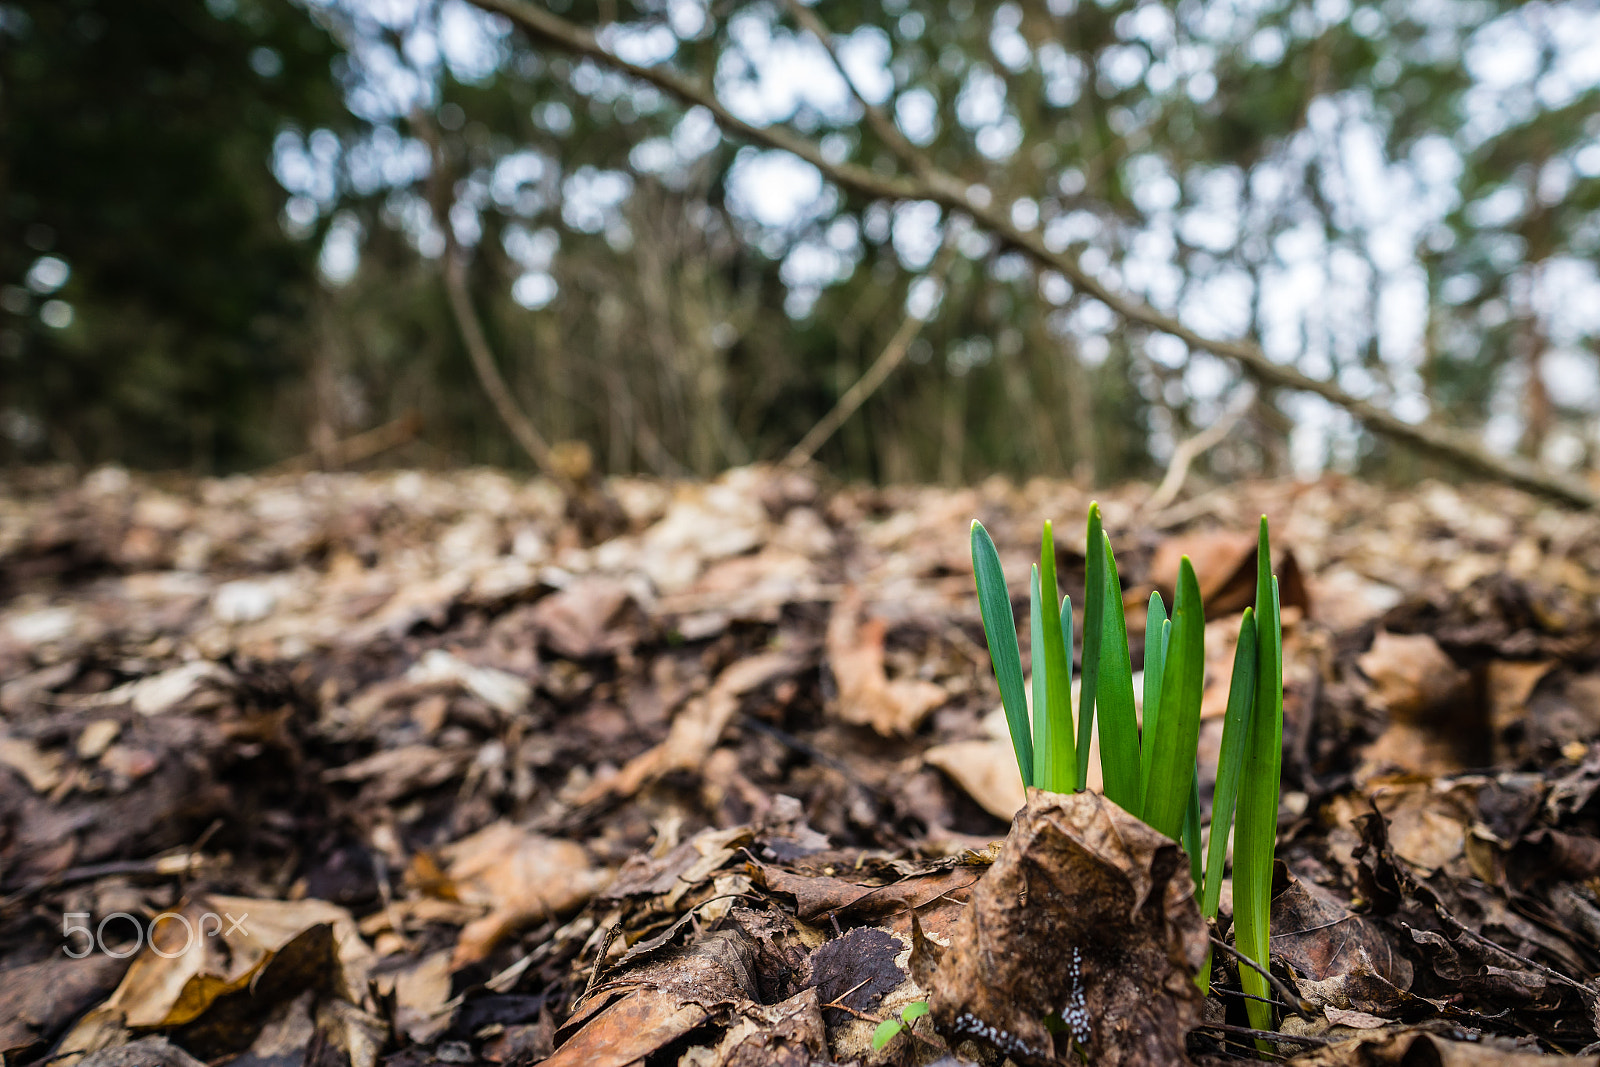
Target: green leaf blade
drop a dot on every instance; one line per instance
(1230, 762)
(1182, 682)
(1037, 610)
(886, 1032)
(1191, 830)
(1094, 602)
(1156, 628)
(1255, 833)
(1000, 630)
(1060, 762)
(1066, 758)
(1119, 723)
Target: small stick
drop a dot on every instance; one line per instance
(177, 866)
(1267, 1035)
(1304, 1008)
(1251, 996)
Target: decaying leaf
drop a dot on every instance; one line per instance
(1321, 939)
(867, 696)
(520, 877)
(1412, 1048)
(634, 1013)
(818, 895)
(38, 1000)
(789, 1034)
(698, 726)
(1410, 673)
(224, 945)
(986, 770)
(1089, 916)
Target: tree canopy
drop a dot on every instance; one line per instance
(229, 221)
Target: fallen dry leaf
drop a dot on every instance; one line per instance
(222, 946)
(1410, 673)
(38, 1000)
(788, 1034)
(698, 726)
(501, 690)
(420, 994)
(41, 769)
(519, 877)
(634, 1013)
(867, 696)
(1412, 1047)
(986, 770)
(1088, 915)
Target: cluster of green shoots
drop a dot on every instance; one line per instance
(1151, 773)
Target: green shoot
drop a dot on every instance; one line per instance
(1152, 772)
(1157, 628)
(1094, 603)
(1058, 770)
(1235, 728)
(1191, 830)
(890, 1028)
(1038, 609)
(1182, 679)
(1119, 724)
(1256, 835)
(1001, 630)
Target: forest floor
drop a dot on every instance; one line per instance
(414, 769)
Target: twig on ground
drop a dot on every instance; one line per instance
(356, 448)
(1267, 1035)
(1300, 1007)
(1264, 1035)
(179, 866)
(951, 192)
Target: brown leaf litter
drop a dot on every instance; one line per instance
(717, 789)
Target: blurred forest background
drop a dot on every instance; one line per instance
(227, 224)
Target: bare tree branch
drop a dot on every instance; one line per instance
(956, 195)
(494, 384)
(881, 124)
(890, 358)
(470, 325)
(1192, 448)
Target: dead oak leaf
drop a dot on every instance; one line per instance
(1088, 915)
